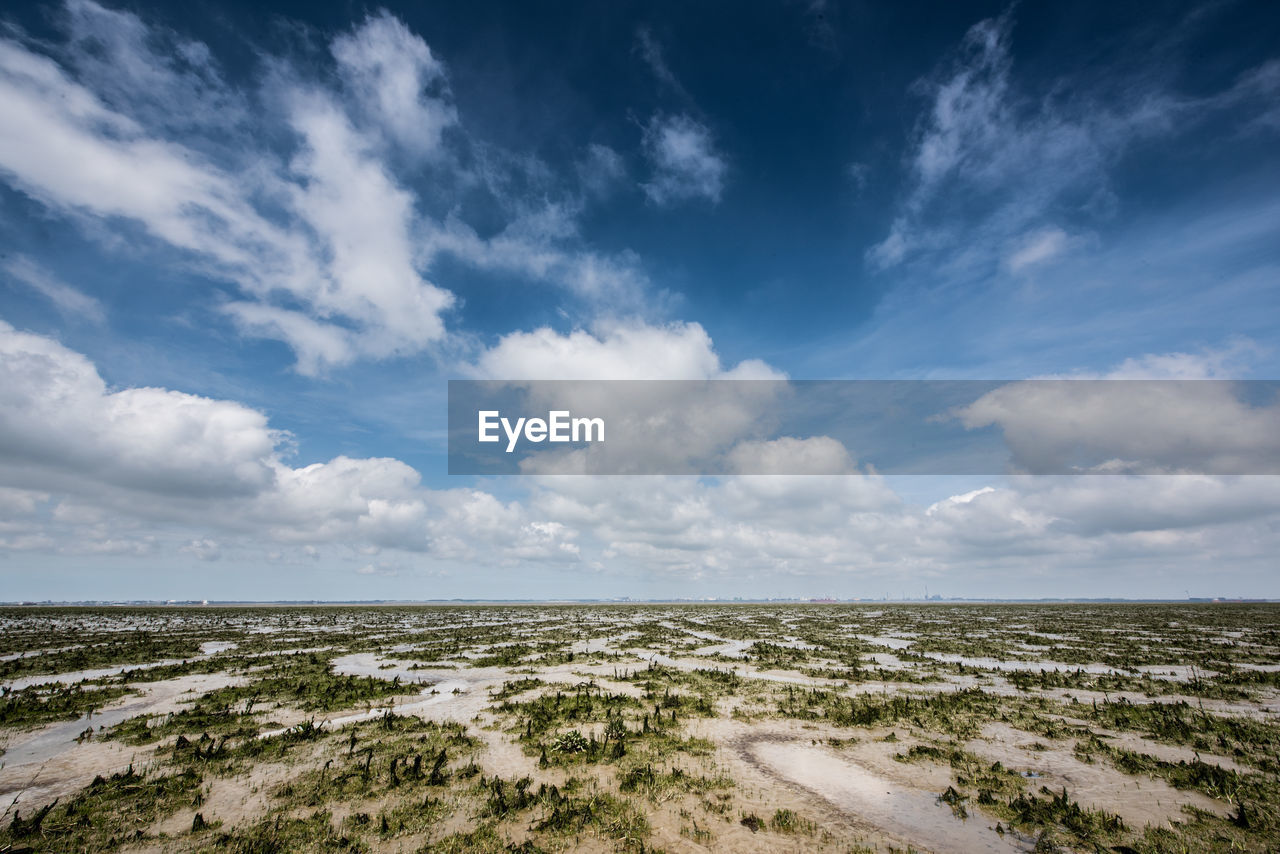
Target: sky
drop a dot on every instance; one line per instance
(244, 246)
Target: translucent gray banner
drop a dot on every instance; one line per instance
(950, 427)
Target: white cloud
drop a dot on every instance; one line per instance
(295, 194)
(853, 533)
(963, 498)
(1221, 363)
(540, 243)
(113, 461)
(675, 351)
(980, 142)
(686, 164)
(151, 73)
(20, 502)
(59, 420)
(817, 455)
(364, 223)
(316, 344)
(352, 260)
(990, 158)
(158, 472)
(647, 417)
(546, 541)
(167, 456)
(1091, 506)
(680, 149)
(203, 549)
(392, 73)
(1037, 248)
(1132, 420)
(63, 146)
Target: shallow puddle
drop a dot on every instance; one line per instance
(214, 647)
(70, 678)
(81, 675)
(728, 649)
(372, 664)
(55, 739)
(912, 815)
(1009, 665)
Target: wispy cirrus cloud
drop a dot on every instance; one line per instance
(331, 232)
(650, 50)
(69, 300)
(304, 193)
(601, 169)
(685, 161)
(993, 163)
(1037, 248)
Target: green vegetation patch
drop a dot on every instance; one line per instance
(42, 704)
(108, 813)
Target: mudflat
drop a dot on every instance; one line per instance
(705, 727)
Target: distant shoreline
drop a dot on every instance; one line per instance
(298, 603)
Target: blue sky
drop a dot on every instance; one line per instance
(242, 248)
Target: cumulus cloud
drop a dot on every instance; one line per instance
(854, 533)
(619, 351)
(160, 472)
(672, 420)
(158, 457)
(58, 419)
(546, 541)
(735, 528)
(1128, 421)
(788, 455)
(667, 398)
(1220, 363)
(686, 164)
(1090, 506)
